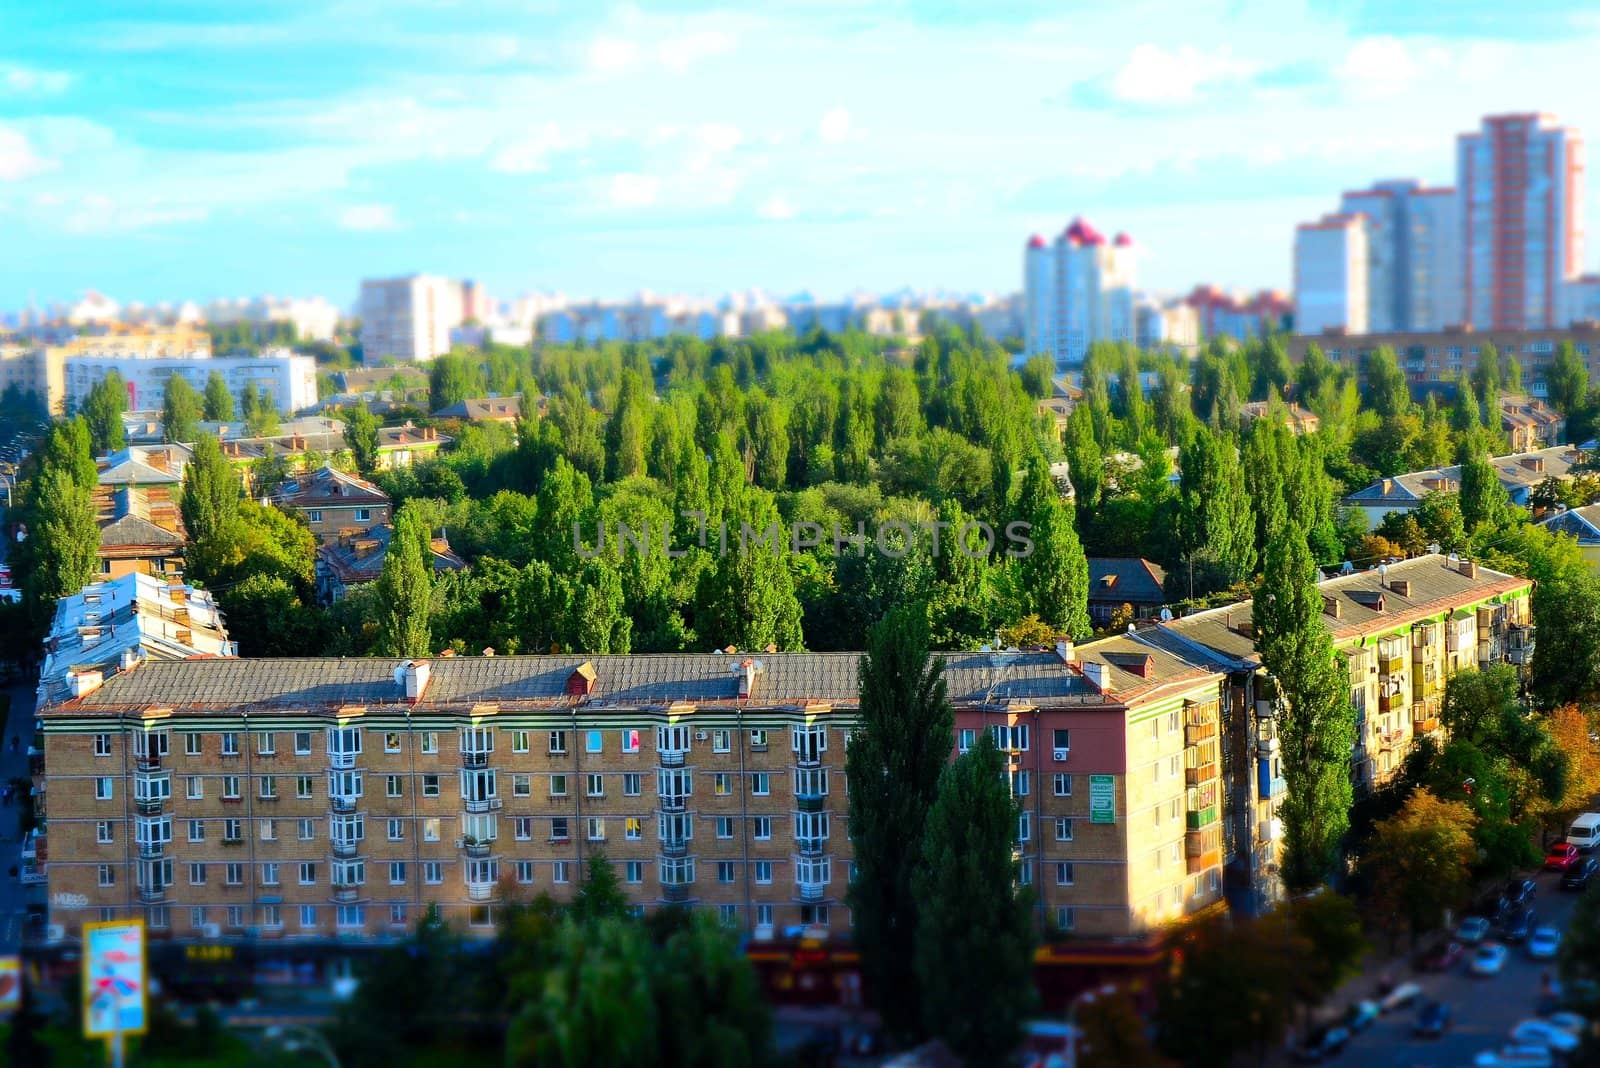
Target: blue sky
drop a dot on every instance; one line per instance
(197, 150)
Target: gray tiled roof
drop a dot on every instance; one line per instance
(1125, 578)
(131, 530)
(1582, 523)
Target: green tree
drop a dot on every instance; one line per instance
(1237, 987)
(896, 756)
(261, 413)
(361, 435)
(1054, 576)
(748, 599)
(63, 541)
(211, 491)
(269, 618)
(1387, 393)
(974, 939)
(453, 378)
(1419, 863)
(601, 896)
(1214, 512)
(1085, 463)
(181, 409)
(1566, 380)
(102, 410)
(404, 587)
(625, 432)
(1484, 501)
(218, 399)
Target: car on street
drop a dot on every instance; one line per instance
(1321, 1044)
(1514, 1057)
(1544, 943)
(1570, 1022)
(1561, 857)
(1517, 926)
(1432, 1020)
(1401, 997)
(1519, 892)
(1579, 875)
(1546, 1034)
(1361, 1015)
(1443, 956)
(1473, 929)
(1488, 959)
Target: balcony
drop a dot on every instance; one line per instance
(811, 891)
(1195, 733)
(672, 758)
(474, 760)
(152, 895)
(811, 847)
(483, 804)
(342, 761)
(342, 804)
(345, 894)
(1205, 860)
(1425, 726)
(806, 761)
(1205, 817)
(1203, 773)
(475, 848)
(810, 802)
(674, 802)
(674, 847)
(480, 891)
(149, 806)
(345, 849)
(675, 892)
(149, 850)
(147, 763)
(1391, 702)
(1391, 665)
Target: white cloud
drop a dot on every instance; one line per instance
(1380, 67)
(634, 190)
(100, 214)
(678, 54)
(27, 80)
(532, 152)
(367, 217)
(835, 125)
(776, 207)
(611, 55)
(18, 160)
(1154, 75)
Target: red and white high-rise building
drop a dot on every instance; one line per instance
(1078, 290)
(1521, 185)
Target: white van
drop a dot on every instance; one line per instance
(1585, 831)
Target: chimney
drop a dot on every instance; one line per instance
(581, 682)
(488, 650)
(1388, 486)
(130, 658)
(1066, 650)
(84, 681)
(1332, 606)
(444, 653)
(1469, 569)
(1097, 674)
(416, 678)
(1401, 586)
(178, 592)
(747, 677)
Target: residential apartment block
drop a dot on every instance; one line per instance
(409, 318)
(1330, 274)
(334, 502)
(1518, 473)
(1240, 316)
(1078, 290)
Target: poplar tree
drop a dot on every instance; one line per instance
(404, 588)
(1214, 513)
(898, 752)
(181, 409)
(210, 491)
(1055, 574)
(218, 399)
(102, 410)
(974, 950)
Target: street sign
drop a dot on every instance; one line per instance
(1102, 799)
(10, 984)
(115, 993)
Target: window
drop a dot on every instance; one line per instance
(191, 744)
(558, 743)
(521, 785)
(308, 916)
(397, 914)
(397, 830)
(103, 788)
(633, 829)
(725, 871)
(1063, 738)
(230, 744)
(728, 914)
(108, 875)
(558, 829)
(430, 829)
(194, 788)
(814, 915)
(630, 740)
(308, 829)
(596, 786)
(391, 741)
(633, 871)
(721, 784)
(269, 873)
(432, 872)
(1025, 873)
(1063, 829)
(102, 745)
(763, 915)
(269, 830)
(1025, 827)
(523, 828)
(763, 872)
(397, 873)
(561, 872)
(968, 737)
(758, 741)
(363, 515)
(391, 786)
(313, 515)
(721, 741)
(230, 788)
(272, 915)
(430, 786)
(430, 741)
(233, 873)
(525, 872)
(1065, 918)
(269, 787)
(1011, 737)
(1061, 784)
(197, 918)
(763, 828)
(519, 741)
(1064, 874)
(724, 826)
(597, 829)
(266, 744)
(594, 742)
(303, 786)
(760, 784)
(558, 786)
(353, 915)
(104, 832)
(630, 784)
(302, 743)
(1020, 783)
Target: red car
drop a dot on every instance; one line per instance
(1562, 856)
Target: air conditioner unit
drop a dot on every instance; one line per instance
(55, 932)
(1060, 755)
(461, 843)
(210, 930)
(699, 736)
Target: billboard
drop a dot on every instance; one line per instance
(10, 984)
(115, 992)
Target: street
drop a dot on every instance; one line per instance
(14, 897)
(1485, 1010)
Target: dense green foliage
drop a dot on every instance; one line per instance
(181, 410)
(57, 556)
(102, 410)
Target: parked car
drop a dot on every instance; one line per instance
(1517, 926)
(1443, 956)
(1361, 1015)
(1514, 1057)
(1488, 959)
(1473, 929)
(1401, 997)
(1321, 1044)
(1560, 857)
(1570, 1022)
(1579, 875)
(1544, 1033)
(1519, 892)
(1544, 943)
(1432, 1020)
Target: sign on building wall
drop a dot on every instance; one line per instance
(10, 985)
(115, 996)
(1102, 799)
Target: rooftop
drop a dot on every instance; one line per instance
(329, 485)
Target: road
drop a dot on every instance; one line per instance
(14, 897)
(1485, 1009)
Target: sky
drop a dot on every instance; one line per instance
(176, 149)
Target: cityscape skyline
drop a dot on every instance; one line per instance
(307, 178)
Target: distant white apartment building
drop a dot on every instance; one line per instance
(409, 318)
(313, 318)
(291, 380)
(1078, 290)
(1165, 323)
(1330, 275)
(1582, 300)
(1413, 255)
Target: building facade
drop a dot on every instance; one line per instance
(1220, 313)
(1078, 290)
(409, 318)
(1330, 275)
(1413, 254)
(334, 502)
(291, 381)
